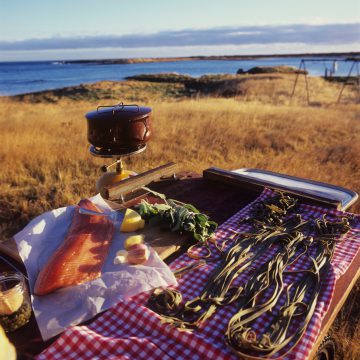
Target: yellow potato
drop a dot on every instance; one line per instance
(138, 254)
(133, 240)
(132, 221)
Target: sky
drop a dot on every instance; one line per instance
(94, 29)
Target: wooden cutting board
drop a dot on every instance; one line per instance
(165, 243)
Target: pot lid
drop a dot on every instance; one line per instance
(119, 112)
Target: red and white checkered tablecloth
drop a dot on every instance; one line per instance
(132, 331)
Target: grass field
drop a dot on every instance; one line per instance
(241, 122)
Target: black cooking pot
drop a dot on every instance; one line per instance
(119, 128)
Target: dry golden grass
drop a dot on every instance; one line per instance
(109, 91)
(278, 89)
(45, 160)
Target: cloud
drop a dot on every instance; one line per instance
(325, 34)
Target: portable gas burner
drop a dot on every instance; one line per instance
(112, 177)
(117, 132)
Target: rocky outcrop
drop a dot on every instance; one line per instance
(163, 77)
(282, 69)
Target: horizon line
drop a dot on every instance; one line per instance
(200, 57)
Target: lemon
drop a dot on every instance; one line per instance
(132, 221)
(133, 240)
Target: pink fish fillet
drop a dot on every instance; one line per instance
(81, 255)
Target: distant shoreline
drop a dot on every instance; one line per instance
(41, 76)
(349, 55)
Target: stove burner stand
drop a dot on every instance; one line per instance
(120, 173)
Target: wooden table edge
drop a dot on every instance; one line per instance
(341, 292)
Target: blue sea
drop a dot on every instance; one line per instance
(24, 77)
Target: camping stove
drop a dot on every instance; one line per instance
(117, 132)
(118, 173)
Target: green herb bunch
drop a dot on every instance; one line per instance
(180, 217)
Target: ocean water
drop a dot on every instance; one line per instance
(24, 77)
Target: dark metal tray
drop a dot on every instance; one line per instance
(331, 195)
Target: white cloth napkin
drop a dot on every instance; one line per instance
(70, 306)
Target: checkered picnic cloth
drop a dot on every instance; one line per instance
(130, 330)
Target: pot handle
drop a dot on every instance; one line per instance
(119, 107)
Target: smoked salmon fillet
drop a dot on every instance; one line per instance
(81, 255)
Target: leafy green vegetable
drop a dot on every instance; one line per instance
(180, 217)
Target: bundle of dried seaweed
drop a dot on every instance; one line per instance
(298, 309)
(246, 249)
(293, 238)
